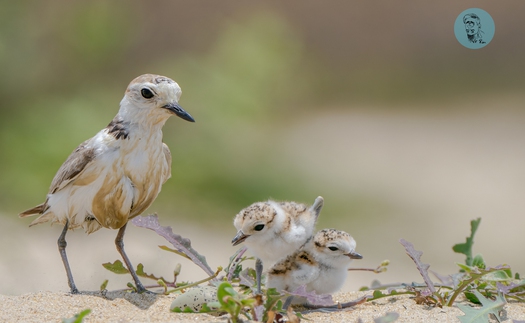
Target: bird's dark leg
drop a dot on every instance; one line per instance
(287, 302)
(62, 244)
(119, 242)
(258, 274)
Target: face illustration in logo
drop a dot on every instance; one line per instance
(473, 28)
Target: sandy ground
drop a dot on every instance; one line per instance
(125, 307)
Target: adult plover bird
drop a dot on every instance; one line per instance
(272, 230)
(118, 173)
(321, 264)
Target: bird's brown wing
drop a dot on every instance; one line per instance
(72, 167)
(69, 171)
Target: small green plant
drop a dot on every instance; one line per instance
(258, 308)
(466, 248)
(475, 281)
(273, 306)
(78, 318)
(233, 303)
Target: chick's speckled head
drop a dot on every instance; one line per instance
(254, 220)
(331, 244)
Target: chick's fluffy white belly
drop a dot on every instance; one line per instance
(124, 174)
(270, 251)
(328, 281)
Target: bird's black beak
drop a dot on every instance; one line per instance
(179, 111)
(239, 238)
(354, 255)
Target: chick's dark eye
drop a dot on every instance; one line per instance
(259, 227)
(146, 93)
(333, 248)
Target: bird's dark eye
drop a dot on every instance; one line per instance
(146, 93)
(259, 227)
(333, 248)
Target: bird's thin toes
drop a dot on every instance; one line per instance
(143, 290)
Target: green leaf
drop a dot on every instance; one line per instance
(379, 294)
(500, 275)
(78, 318)
(465, 268)
(131, 286)
(273, 302)
(186, 309)
(248, 301)
(223, 291)
(481, 315)
(466, 248)
(226, 296)
(140, 272)
(472, 297)
(104, 284)
(117, 267)
(175, 251)
(478, 262)
(205, 309)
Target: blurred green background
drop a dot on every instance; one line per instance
(373, 105)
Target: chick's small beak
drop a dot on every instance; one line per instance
(179, 111)
(239, 238)
(354, 255)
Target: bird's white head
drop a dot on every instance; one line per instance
(335, 248)
(152, 99)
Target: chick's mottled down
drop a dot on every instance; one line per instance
(321, 264)
(272, 230)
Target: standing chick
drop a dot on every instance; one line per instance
(272, 230)
(321, 265)
(118, 173)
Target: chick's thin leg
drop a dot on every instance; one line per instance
(62, 244)
(119, 242)
(258, 274)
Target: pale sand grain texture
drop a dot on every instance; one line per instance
(125, 307)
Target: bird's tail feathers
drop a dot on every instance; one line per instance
(39, 209)
(43, 218)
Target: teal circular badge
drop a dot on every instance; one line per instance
(474, 28)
